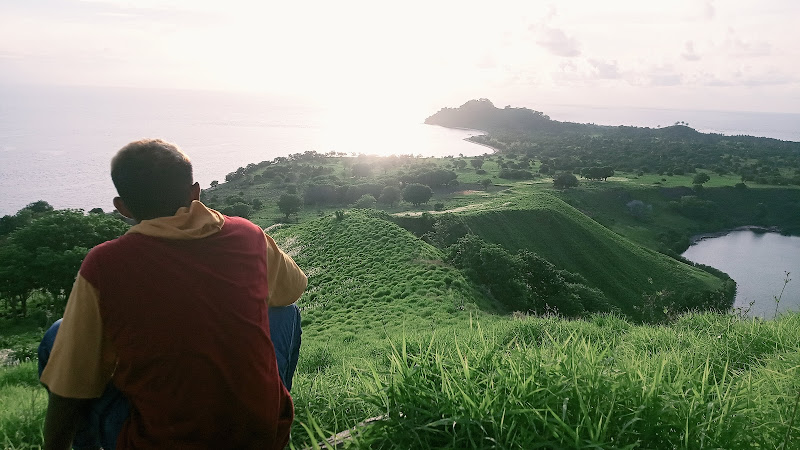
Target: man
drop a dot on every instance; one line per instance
(179, 315)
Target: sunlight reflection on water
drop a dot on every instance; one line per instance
(57, 144)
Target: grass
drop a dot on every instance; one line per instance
(391, 331)
(22, 406)
(598, 383)
(367, 275)
(706, 381)
(623, 270)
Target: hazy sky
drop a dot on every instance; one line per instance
(684, 54)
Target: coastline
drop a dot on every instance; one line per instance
(755, 228)
(494, 150)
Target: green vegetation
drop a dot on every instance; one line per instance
(499, 309)
(41, 254)
(673, 150)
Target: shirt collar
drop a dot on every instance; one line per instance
(194, 222)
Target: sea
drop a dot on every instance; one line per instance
(56, 142)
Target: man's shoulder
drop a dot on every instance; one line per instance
(233, 223)
(113, 245)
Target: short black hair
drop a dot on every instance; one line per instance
(153, 178)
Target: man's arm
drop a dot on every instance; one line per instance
(285, 279)
(61, 421)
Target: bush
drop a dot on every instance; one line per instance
(365, 202)
(565, 180)
(515, 174)
(289, 204)
(239, 209)
(417, 194)
(390, 195)
(524, 281)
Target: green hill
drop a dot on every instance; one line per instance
(628, 274)
(368, 275)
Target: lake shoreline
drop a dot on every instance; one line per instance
(754, 228)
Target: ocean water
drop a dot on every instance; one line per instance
(56, 142)
(784, 126)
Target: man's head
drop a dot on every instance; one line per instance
(153, 179)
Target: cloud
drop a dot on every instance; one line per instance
(558, 43)
(689, 54)
(664, 75)
(708, 10)
(738, 47)
(605, 69)
(486, 61)
(747, 78)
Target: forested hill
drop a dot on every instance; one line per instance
(676, 149)
(481, 114)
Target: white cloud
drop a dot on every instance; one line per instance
(629, 50)
(738, 47)
(689, 53)
(558, 43)
(708, 10)
(605, 69)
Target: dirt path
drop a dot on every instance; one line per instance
(459, 209)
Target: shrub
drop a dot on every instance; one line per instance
(565, 180)
(390, 195)
(239, 209)
(365, 202)
(515, 174)
(417, 194)
(289, 204)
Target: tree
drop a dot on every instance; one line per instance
(40, 206)
(361, 169)
(477, 163)
(460, 164)
(565, 180)
(597, 173)
(365, 202)
(701, 178)
(239, 209)
(47, 253)
(289, 204)
(417, 194)
(486, 183)
(390, 195)
(214, 183)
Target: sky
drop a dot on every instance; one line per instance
(731, 55)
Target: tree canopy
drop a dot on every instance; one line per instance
(565, 180)
(46, 254)
(417, 194)
(289, 204)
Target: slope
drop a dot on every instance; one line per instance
(627, 273)
(368, 276)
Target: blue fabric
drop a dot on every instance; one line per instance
(285, 332)
(108, 413)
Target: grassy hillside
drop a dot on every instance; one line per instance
(367, 275)
(705, 381)
(390, 331)
(627, 273)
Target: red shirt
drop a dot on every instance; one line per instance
(188, 322)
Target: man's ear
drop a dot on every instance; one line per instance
(196, 191)
(123, 208)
